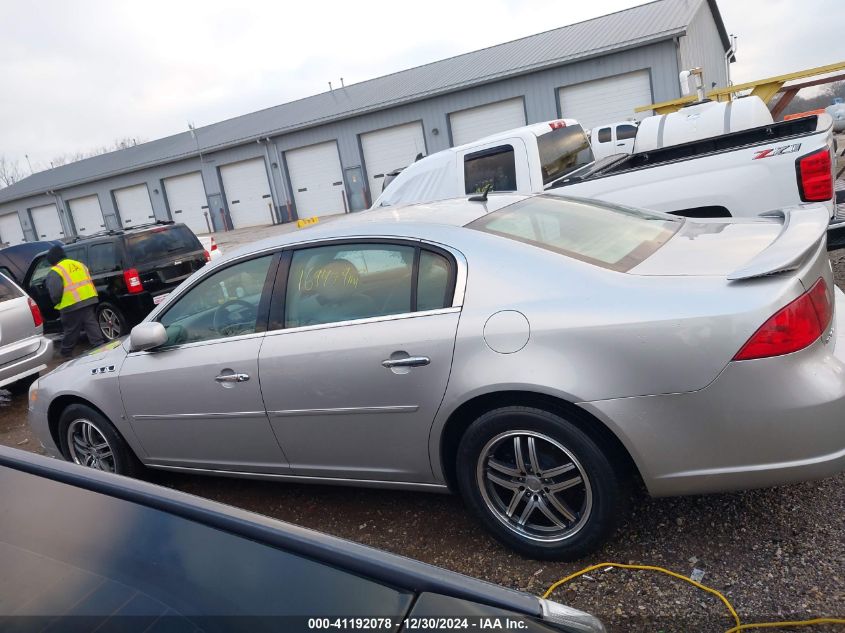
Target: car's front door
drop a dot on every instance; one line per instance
(353, 378)
(196, 401)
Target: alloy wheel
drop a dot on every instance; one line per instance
(534, 486)
(89, 447)
(110, 324)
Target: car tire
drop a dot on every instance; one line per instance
(96, 442)
(111, 320)
(538, 483)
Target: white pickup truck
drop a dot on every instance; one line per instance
(745, 173)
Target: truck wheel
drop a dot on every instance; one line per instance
(87, 438)
(538, 483)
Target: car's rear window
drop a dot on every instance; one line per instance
(8, 290)
(606, 235)
(161, 243)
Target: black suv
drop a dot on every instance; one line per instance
(133, 269)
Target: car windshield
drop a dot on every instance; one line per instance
(563, 150)
(161, 243)
(606, 235)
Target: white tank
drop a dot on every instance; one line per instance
(700, 121)
(837, 111)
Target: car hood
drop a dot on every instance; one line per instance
(716, 247)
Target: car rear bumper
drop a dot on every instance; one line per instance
(28, 365)
(760, 423)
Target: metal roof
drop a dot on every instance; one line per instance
(636, 26)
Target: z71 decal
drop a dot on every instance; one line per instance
(777, 151)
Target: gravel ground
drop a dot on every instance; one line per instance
(777, 553)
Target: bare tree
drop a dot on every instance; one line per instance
(10, 172)
(822, 99)
(72, 157)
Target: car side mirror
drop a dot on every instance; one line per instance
(147, 336)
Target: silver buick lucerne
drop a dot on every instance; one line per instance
(539, 354)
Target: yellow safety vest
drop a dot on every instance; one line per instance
(78, 285)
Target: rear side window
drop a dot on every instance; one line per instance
(563, 150)
(77, 254)
(604, 135)
(102, 258)
(605, 235)
(8, 290)
(492, 167)
(434, 285)
(624, 132)
(160, 243)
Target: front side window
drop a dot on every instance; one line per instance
(492, 167)
(335, 283)
(605, 235)
(222, 305)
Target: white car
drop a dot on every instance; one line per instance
(24, 352)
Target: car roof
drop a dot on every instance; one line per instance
(129, 230)
(411, 221)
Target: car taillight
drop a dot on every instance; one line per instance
(207, 256)
(37, 319)
(556, 125)
(133, 281)
(793, 327)
(815, 176)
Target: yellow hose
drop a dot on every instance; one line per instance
(736, 629)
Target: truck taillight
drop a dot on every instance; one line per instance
(793, 327)
(37, 319)
(815, 176)
(133, 281)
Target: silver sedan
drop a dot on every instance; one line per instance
(538, 354)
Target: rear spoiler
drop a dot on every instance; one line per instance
(803, 228)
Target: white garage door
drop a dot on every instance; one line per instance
(186, 199)
(317, 179)
(386, 150)
(11, 231)
(475, 123)
(87, 215)
(134, 206)
(48, 226)
(248, 192)
(606, 100)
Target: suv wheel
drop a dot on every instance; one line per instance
(538, 483)
(87, 438)
(111, 321)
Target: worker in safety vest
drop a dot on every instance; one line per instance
(72, 292)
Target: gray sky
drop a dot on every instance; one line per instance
(76, 75)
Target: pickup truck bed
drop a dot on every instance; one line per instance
(725, 143)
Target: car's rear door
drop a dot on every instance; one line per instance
(355, 371)
(195, 402)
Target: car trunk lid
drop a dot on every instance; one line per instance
(740, 249)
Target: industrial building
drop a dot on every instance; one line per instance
(328, 153)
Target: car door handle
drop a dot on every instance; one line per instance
(411, 361)
(232, 378)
